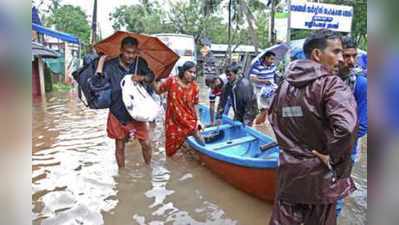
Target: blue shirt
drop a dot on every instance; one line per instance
(360, 92)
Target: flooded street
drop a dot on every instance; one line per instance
(75, 179)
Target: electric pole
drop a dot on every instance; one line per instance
(289, 22)
(94, 24)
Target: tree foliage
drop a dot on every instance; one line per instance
(188, 18)
(209, 6)
(262, 28)
(70, 19)
(200, 18)
(145, 17)
(359, 22)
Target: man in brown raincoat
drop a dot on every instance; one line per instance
(314, 117)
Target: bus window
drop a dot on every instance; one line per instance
(188, 52)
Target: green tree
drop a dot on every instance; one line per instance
(55, 5)
(251, 21)
(299, 34)
(359, 24)
(241, 22)
(70, 19)
(145, 17)
(262, 28)
(210, 6)
(188, 18)
(359, 21)
(217, 30)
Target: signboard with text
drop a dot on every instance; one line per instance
(314, 16)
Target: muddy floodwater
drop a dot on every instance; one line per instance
(75, 179)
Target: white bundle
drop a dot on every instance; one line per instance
(140, 105)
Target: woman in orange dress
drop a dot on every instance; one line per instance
(181, 118)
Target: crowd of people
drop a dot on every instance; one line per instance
(318, 113)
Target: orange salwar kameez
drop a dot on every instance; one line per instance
(181, 117)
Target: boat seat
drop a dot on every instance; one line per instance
(232, 142)
(216, 128)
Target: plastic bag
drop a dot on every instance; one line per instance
(140, 105)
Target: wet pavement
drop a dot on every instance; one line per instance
(75, 179)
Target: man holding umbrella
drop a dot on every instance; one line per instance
(147, 58)
(262, 74)
(120, 126)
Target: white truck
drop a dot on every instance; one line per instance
(182, 44)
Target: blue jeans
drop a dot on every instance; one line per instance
(341, 202)
(227, 107)
(340, 206)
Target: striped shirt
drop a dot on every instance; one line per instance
(263, 72)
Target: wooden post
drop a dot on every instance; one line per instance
(41, 76)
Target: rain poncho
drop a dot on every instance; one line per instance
(313, 109)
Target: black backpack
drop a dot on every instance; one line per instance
(96, 89)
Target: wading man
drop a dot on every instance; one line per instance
(120, 125)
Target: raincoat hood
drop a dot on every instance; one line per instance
(301, 72)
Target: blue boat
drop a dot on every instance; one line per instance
(241, 155)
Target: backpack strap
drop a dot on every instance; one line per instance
(137, 65)
(80, 96)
